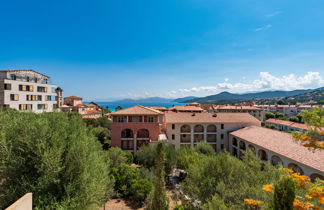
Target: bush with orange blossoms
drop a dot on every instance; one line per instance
(310, 195)
(251, 202)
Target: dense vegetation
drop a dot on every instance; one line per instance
(56, 157)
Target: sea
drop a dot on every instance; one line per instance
(112, 105)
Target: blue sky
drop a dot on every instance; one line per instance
(105, 49)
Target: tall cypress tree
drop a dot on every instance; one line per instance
(284, 194)
(159, 201)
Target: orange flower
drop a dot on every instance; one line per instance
(268, 188)
(251, 202)
(308, 197)
(287, 170)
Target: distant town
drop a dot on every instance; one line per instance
(262, 128)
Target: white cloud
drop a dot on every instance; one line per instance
(273, 14)
(226, 79)
(266, 81)
(263, 27)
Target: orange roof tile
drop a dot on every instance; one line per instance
(137, 110)
(74, 97)
(182, 117)
(289, 123)
(283, 144)
(186, 108)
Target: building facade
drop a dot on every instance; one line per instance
(288, 110)
(187, 129)
(28, 90)
(75, 104)
(136, 126)
(275, 147)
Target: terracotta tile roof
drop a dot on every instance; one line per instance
(230, 107)
(93, 111)
(74, 97)
(290, 124)
(159, 108)
(182, 117)
(137, 110)
(283, 144)
(186, 108)
(29, 70)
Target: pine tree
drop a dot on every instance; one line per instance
(159, 201)
(284, 194)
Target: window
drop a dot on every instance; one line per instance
(39, 98)
(13, 77)
(150, 119)
(121, 119)
(222, 126)
(173, 126)
(35, 79)
(7, 86)
(14, 97)
(42, 106)
(26, 88)
(222, 147)
(222, 136)
(48, 98)
(27, 79)
(173, 137)
(41, 89)
(25, 106)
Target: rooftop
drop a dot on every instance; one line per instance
(21, 70)
(289, 123)
(186, 108)
(231, 107)
(74, 97)
(137, 110)
(283, 144)
(204, 117)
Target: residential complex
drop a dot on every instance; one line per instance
(284, 125)
(287, 110)
(75, 104)
(234, 132)
(28, 90)
(277, 147)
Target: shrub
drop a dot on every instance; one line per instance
(204, 148)
(140, 189)
(54, 156)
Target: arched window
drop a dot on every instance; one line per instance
(127, 133)
(234, 142)
(275, 160)
(263, 155)
(295, 168)
(211, 128)
(242, 145)
(252, 148)
(185, 129)
(199, 129)
(315, 176)
(143, 133)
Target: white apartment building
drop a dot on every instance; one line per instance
(28, 90)
(187, 129)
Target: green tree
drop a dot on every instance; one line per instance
(204, 148)
(118, 108)
(284, 194)
(269, 115)
(159, 200)
(141, 189)
(294, 119)
(125, 177)
(279, 115)
(118, 157)
(54, 156)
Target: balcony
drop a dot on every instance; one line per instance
(185, 138)
(211, 137)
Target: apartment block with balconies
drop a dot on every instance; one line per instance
(136, 126)
(28, 90)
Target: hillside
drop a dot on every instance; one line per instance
(227, 97)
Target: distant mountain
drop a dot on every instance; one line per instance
(226, 96)
(178, 100)
(144, 100)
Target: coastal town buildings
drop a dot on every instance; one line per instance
(287, 110)
(225, 131)
(284, 125)
(254, 111)
(187, 129)
(28, 90)
(276, 147)
(75, 104)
